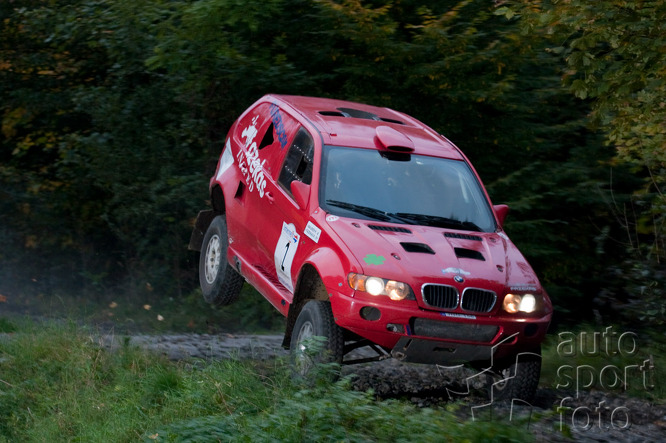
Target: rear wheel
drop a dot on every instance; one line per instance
(220, 283)
(517, 378)
(316, 339)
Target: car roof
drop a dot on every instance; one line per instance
(347, 123)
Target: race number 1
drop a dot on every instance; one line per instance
(285, 250)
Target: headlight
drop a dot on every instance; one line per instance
(395, 290)
(519, 303)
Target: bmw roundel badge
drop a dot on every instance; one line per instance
(459, 278)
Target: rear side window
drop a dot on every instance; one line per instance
(298, 163)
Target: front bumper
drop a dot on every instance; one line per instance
(418, 335)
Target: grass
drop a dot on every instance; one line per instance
(149, 312)
(57, 383)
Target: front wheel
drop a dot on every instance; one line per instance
(316, 338)
(220, 283)
(518, 378)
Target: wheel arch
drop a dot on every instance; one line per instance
(309, 286)
(217, 199)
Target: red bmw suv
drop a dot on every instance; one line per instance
(365, 226)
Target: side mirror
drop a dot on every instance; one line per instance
(301, 193)
(501, 212)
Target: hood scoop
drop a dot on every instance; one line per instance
(417, 247)
(389, 229)
(469, 253)
(462, 236)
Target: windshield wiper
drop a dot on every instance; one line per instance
(436, 220)
(363, 210)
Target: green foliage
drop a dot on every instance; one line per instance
(105, 161)
(59, 383)
(6, 326)
(335, 413)
(114, 114)
(614, 58)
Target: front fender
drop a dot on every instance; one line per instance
(321, 275)
(331, 270)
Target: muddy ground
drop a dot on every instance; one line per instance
(591, 416)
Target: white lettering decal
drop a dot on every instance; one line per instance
(454, 315)
(248, 160)
(454, 271)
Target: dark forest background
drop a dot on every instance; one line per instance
(114, 114)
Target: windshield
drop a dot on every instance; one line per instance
(403, 188)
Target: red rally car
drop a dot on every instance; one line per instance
(365, 226)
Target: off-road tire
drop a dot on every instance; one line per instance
(220, 283)
(315, 320)
(517, 378)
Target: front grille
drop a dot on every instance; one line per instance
(454, 331)
(440, 296)
(478, 300)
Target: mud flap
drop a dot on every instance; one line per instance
(204, 219)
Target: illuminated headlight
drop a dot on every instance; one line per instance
(519, 303)
(395, 290)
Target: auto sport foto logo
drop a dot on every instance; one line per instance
(573, 409)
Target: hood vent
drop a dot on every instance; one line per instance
(389, 229)
(417, 247)
(469, 253)
(462, 236)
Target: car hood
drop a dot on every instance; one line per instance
(420, 254)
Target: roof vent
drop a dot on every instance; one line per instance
(356, 113)
(332, 113)
(390, 120)
(393, 140)
(351, 112)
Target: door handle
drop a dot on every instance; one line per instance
(270, 197)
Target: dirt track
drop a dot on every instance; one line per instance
(633, 420)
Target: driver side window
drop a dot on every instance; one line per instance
(298, 162)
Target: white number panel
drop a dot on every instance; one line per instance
(285, 250)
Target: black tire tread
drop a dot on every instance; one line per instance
(526, 372)
(527, 380)
(336, 342)
(320, 314)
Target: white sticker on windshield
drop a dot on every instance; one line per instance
(285, 250)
